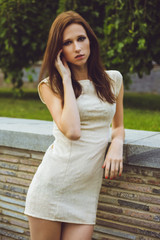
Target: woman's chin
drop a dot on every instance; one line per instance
(78, 64)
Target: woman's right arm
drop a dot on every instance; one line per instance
(67, 116)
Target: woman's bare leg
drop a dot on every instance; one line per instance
(41, 229)
(77, 231)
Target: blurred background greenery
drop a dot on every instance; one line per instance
(128, 33)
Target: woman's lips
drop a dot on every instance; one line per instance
(79, 56)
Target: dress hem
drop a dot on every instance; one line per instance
(59, 220)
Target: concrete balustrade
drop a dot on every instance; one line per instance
(129, 206)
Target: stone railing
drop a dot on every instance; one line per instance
(129, 206)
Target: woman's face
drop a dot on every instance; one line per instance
(76, 45)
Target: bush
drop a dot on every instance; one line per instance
(24, 28)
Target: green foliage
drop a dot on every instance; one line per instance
(131, 42)
(24, 29)
(93, 11)
(128, 33)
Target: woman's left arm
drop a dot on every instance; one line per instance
(113, 163)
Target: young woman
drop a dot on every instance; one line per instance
(83, 100)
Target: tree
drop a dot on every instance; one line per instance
(131, 36)
(24, 28)
(93, 11)
(128, 32)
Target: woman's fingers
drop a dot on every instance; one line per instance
(58, 59)
(116, 168)
(62, 66)
(107, 168)
(121, 167)
(113, 168)
(64, 62)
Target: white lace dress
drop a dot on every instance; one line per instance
(67, 183)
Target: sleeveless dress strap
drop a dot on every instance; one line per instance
(44, 81)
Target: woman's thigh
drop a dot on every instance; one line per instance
(41, 229)
(72, 231)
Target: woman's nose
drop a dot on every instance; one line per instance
(77, 47)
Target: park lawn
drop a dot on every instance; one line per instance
(33, 109)
(24, 108)
(142, 119)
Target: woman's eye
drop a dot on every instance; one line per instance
(81, 39)
(67, 43)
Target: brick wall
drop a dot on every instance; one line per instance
(17, 167)
(129, 206)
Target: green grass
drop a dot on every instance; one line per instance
(141, 111)
(142, 119)
(23, 108)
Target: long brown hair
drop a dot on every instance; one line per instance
(102, 82)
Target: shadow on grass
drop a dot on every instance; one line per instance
(146, 101)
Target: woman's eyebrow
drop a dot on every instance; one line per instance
(69, 39)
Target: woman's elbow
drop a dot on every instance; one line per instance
(73, 135)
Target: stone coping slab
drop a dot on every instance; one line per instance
(141, 148)
(27, 134)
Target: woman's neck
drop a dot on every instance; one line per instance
(80, 72)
